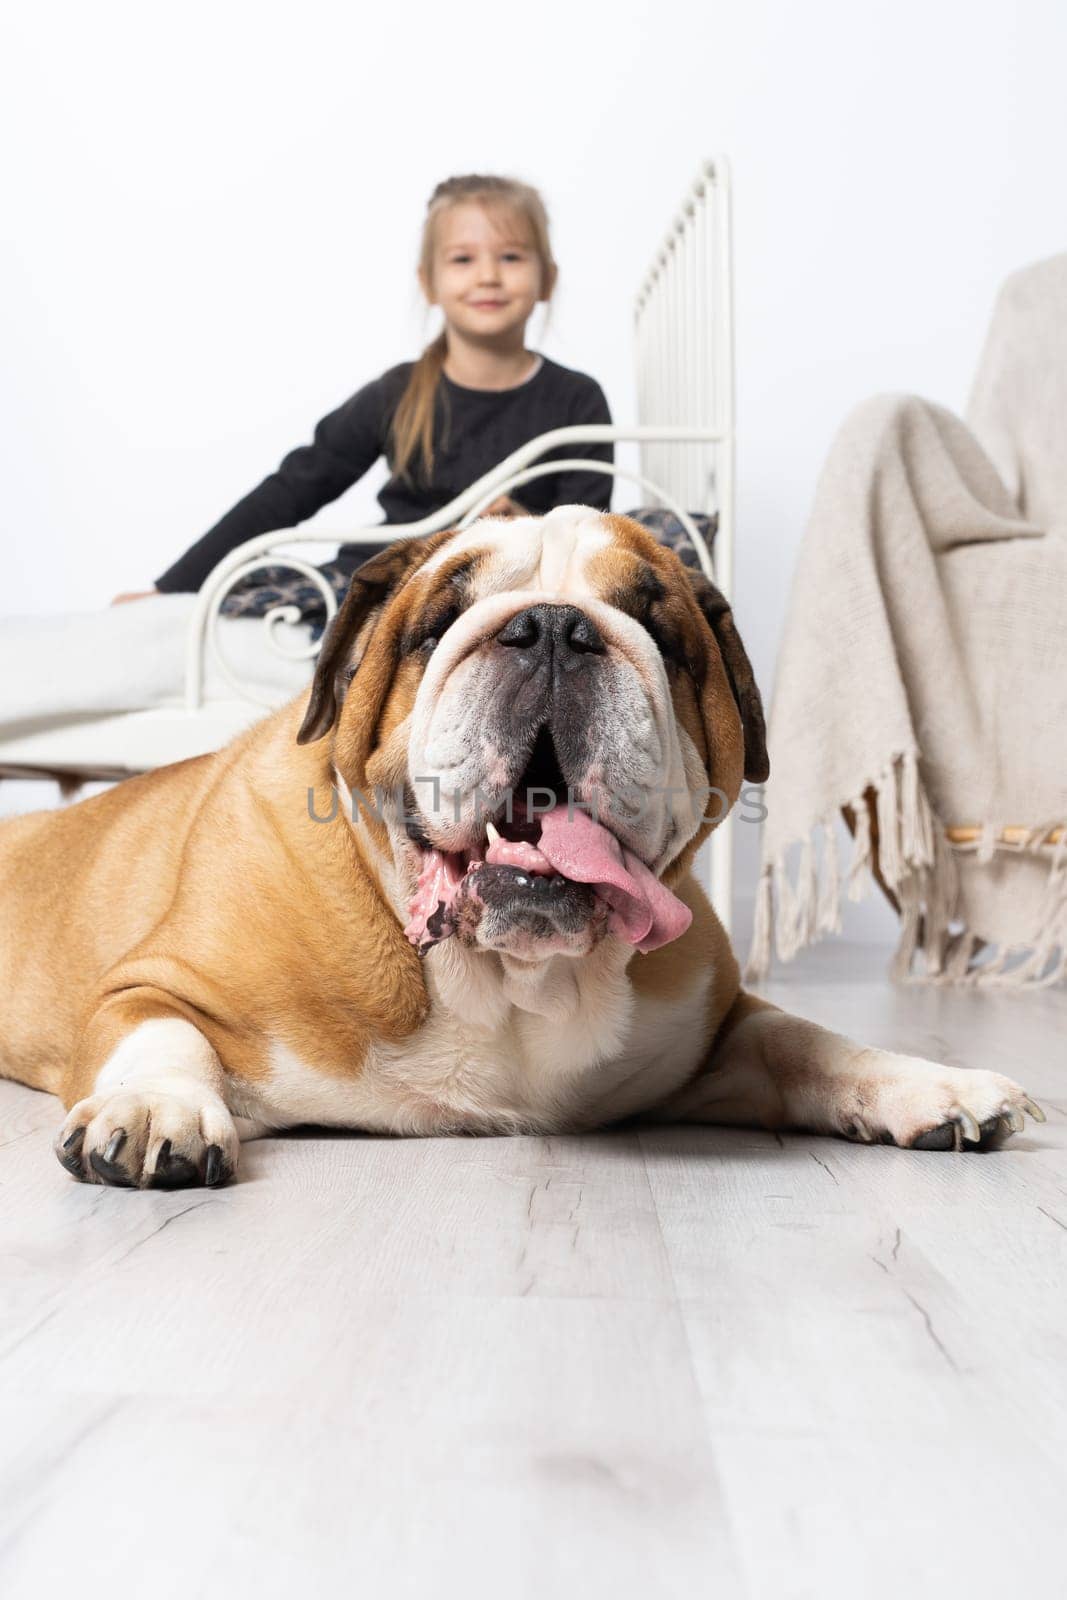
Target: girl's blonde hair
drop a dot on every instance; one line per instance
(413, 420)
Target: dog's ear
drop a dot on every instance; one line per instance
(372, 585)
(716, 608)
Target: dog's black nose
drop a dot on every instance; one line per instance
(561, 629)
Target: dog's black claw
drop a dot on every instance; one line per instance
(114, 1145)
(173, 1171)
(214, 1167)
(942, 1138)
(70, 1156)
(110, 1171)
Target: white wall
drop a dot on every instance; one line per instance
(211, 221)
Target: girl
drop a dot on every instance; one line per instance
(475, 394)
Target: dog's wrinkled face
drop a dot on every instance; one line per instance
(555, 708)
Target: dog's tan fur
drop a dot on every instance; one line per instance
(202, 895)
(199, 890)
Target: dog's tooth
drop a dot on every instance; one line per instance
(492, 833)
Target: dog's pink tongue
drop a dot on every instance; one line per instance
(642, 911)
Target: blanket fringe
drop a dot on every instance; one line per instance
(828, 912)
(919, 865)
(860, 866)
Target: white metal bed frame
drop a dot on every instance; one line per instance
(685, 432)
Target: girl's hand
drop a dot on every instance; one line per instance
(504, 506)
(139, 594)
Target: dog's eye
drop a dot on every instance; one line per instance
(433, 629)
(668, 640)
(654, 616)
(647, 601)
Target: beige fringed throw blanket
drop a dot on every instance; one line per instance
(924, 659)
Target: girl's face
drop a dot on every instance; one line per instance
(486, 275)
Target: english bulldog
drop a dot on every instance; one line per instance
(448, 890)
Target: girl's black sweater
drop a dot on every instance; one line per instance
(474, 430)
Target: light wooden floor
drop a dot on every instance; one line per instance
(673, 1363)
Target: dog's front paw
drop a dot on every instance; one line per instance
(921, 1105)
(145, 1138)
